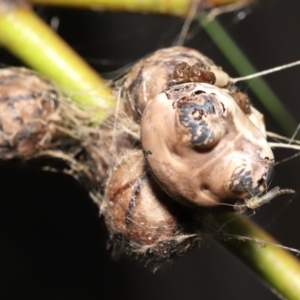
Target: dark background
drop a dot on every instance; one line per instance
(52, 241)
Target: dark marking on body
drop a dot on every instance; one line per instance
(182, 54)
(147, 153)
(15, 113)
(223, 106)
(241, 180)
(191, 116)
(135, 87)
(198, 92)
(24, 134)
(131, 206)
(175, 92)
(133, 201)
(269, 175)
(28, 96)
(128, 185)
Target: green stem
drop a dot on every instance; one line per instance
(279, 269)
(243, 66)
(30, 39)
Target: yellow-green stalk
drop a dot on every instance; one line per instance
(279, 269)
(178, 8)
(24, 34)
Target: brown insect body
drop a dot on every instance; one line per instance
(198, 146)
(141, 218)
(197, 129)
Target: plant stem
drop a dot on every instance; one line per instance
(24, 34)
(243, 66)
(279, 269)
(178, 8)
(29, 38)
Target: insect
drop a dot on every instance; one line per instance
(255, 202)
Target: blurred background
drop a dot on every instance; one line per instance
(52, 241)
